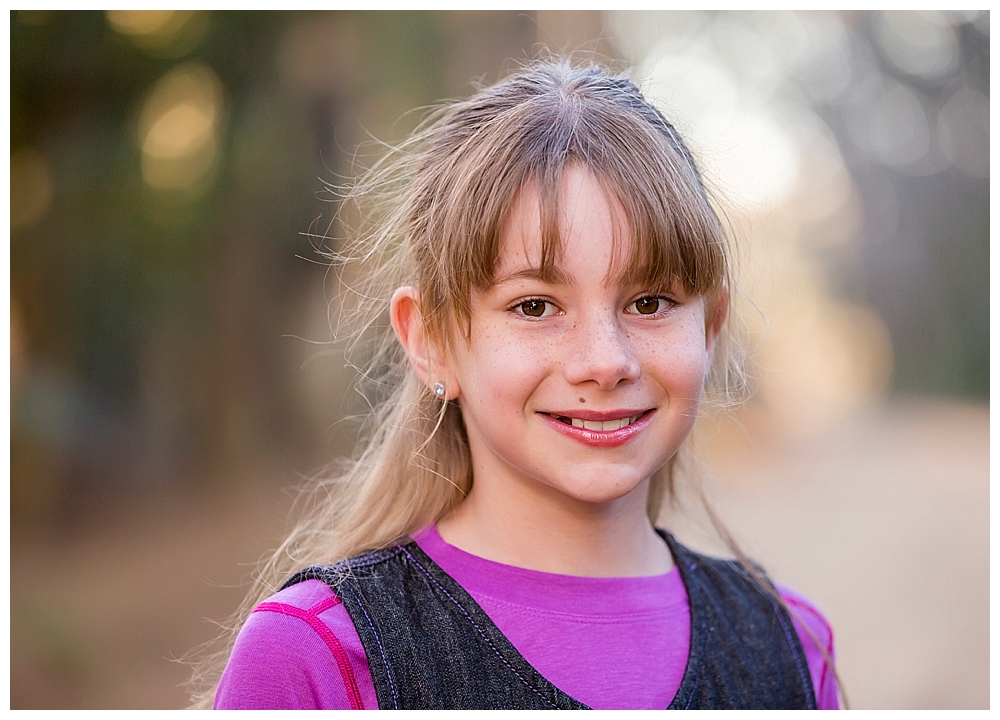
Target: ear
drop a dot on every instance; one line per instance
(713, 324)
(425, 356)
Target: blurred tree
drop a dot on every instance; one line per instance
(913, 129)
(164, 165)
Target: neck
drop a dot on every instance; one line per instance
(538, 529)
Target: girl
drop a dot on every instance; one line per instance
(559, 290)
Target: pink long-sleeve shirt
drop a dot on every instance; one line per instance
(612, 643)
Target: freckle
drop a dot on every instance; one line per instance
(582, 400)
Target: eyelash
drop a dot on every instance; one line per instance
(665, 300)
(517, 307)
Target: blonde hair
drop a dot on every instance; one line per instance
(431, 215)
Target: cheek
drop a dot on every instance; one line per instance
(498, 366)
(681, 360)
(682, 379)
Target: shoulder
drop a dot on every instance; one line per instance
(805, 614)
(729, 574)
(816, 635)
(733, 584)
(361, 565)
(298, 649)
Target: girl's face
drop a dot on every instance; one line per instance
(581, 387)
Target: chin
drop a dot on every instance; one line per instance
(603, 490)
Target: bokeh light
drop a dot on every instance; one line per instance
(964, 124)
(898, 133)
(167, 33)
(141, 22)
(921, 43)
(178, 128)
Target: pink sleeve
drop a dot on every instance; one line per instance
(298, 650)
(807, 618)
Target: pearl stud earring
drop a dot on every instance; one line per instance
(439, 389)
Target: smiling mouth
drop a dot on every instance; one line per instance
(599, 425)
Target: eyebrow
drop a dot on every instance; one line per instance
(554, 275)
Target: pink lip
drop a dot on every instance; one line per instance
(597, 415)
(600, 438)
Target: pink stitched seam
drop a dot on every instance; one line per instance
(829, 630)
(321, 629)
(324, 604)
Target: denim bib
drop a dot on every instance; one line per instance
(430, 646)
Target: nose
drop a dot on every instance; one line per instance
(600, 352)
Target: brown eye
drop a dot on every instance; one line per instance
(647, 305)
(533, 308)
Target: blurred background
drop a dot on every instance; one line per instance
(171, 381)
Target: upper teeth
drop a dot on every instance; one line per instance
(606, 425)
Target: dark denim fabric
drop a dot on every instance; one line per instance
(431, 646)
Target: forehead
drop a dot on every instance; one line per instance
(578, 229)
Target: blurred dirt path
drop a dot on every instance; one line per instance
(883, 523)
(100, 621)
